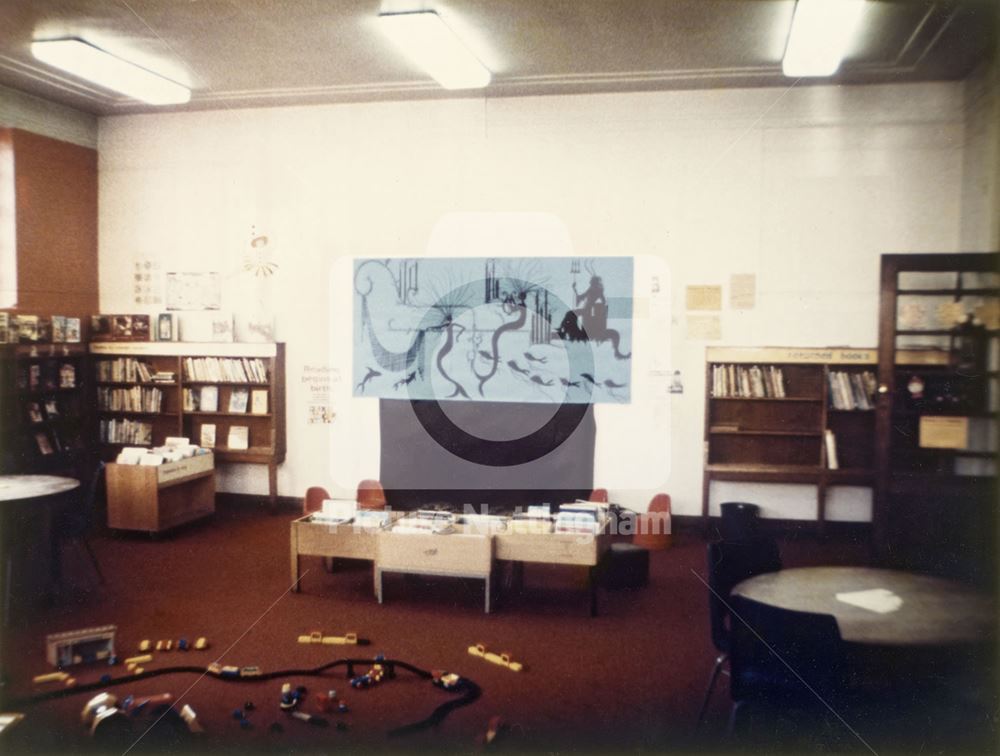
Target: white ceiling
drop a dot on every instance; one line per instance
(238, 53)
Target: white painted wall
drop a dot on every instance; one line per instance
(981, 166)
(804, 187)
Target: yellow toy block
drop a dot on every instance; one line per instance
(503, 659)
(144, 645)
(50, 677)
(201, 644)
(350, 639)
(314, 637)
(139, 659)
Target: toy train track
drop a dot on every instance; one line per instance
(468, 690)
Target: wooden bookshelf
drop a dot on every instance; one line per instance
(936, 493)
(772, 428)
(231, 375)
(45, 411)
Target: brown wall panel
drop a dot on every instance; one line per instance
(56, 211)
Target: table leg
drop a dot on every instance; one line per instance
(272, 487)
(295, 560)
(592, 584)
(488, 589)
(378, 584)
(55, 556)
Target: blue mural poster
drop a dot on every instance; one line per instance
(515, 329)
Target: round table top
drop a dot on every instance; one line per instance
(881, 607)
(18, 487)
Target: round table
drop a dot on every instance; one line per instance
(931, 611)
(25, 487)
(24, 499)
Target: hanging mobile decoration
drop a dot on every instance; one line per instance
(256, 260)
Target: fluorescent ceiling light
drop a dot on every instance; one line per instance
(430, 44)
(88, 62)
(821, 32)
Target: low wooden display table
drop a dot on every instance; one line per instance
(324, 539)
(555, 548)
(467, 552)
(459, 554)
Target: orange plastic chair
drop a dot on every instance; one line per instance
(371, 495)
(599, 494)
(653, 526)
(313, 500)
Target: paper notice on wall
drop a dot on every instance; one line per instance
(704, 328)
(943, 432)
(742, 291)
(147, 283)
(318, 381)
(704, 297)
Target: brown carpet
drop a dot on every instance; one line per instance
(630, 679)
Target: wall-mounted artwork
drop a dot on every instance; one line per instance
(550, 330)
(194, 291)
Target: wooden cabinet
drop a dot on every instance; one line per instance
(789, 415)
(155, 498)
(936, 419)
(227, 396)
(45, 408)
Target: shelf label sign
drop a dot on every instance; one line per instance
(942, 432)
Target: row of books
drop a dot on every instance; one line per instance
(225, 370)
(742, 382)
(50, 442)
(120, 328)
(51, 410)
(135, 399)
(46, 376)
(31, 329)
(206, 399)
(852, 391)
(125, 431)
(238, 439)
(124, 370)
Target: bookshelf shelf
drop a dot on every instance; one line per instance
(948, 292)
(765, 436)
(45, 415)
(936, 459)
(190, 364)
(137, 413)
(766, 399)
(741, 432)
(144, 384)
(231, 384)
(245, 415)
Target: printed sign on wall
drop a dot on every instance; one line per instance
(548, 330)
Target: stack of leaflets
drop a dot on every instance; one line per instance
(581, 517)
(426, 521)
(336, 511)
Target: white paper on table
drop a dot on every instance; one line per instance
(880, 600)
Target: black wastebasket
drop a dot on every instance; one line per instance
(739, 520)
